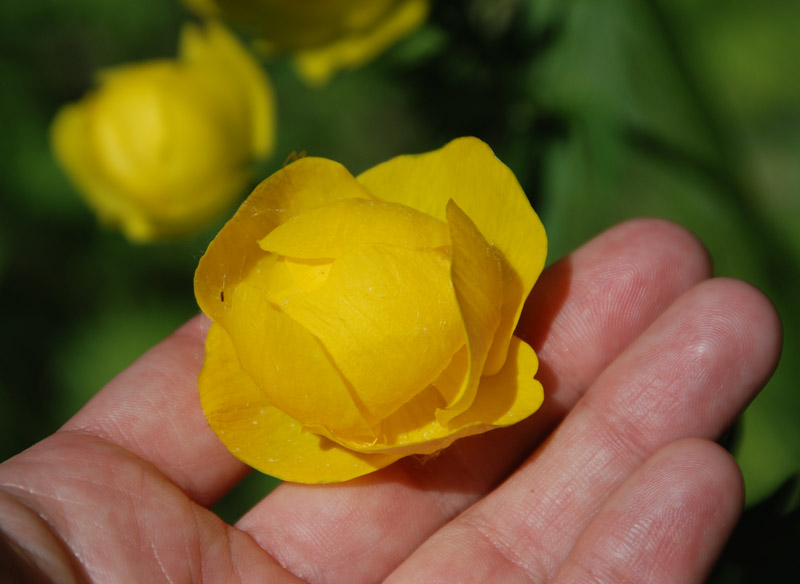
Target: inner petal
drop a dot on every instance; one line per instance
(288, 364)
(308, 274)
(451, 380)
(334, 229)
(389, 319)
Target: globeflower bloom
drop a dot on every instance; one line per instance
(358, 320)
(325, 36)
(162, 147)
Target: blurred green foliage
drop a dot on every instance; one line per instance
(605, 110)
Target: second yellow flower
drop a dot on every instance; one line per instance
(164, 146)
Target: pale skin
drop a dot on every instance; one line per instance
(645, 361)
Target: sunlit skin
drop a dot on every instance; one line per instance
(644, 360)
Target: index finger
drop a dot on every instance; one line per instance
(152, 409)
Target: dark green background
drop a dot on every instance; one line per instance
(687, 110)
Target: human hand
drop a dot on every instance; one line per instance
(644, 362)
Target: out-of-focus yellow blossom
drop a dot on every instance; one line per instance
(162, 147)
(324, 35)
(361, 320)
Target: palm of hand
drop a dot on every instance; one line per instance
(644, 361)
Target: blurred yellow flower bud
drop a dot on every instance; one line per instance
(162, 147)
(361, 320)
(324, 35)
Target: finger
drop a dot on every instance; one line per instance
(86, 510)
(584, 310)
(153, 410)
(666, 523)
(689, 375)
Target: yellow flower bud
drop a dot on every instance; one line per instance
(325, 35)
(361, 320)
(162, 147)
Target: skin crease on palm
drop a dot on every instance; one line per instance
(645, 361)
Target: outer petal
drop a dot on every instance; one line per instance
(333, 230)
(300, 186)
(478, 285)
(264, 437)
(467, 171)
(508, 397)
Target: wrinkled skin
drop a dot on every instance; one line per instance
(644, 360)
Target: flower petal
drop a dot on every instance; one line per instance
(467, 171)
(71, 143)
(261, 435)
(286, 362)
(216, 50)
(317, 65)
(478, 285)
(508, 397)
(333, 230)
(389, 319)
(300, 186)
(165, 145)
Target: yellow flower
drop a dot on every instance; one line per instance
(361, 320)
(164, 146)
(325, 35)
